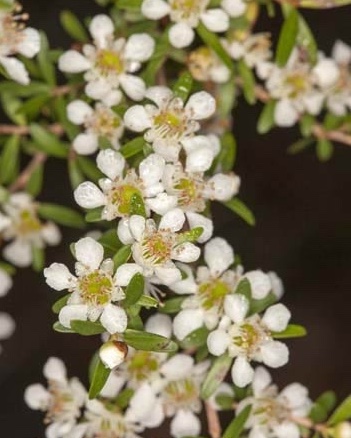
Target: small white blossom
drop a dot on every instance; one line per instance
(62, 400)
(170, 126)
(248, 338)
(7, 326)
(117, 191)
(95, 289)
(343, 430)
(205, 65)
(273, 413)
(260, 283)
(21, 225)
(99, 123)
(109, 64)
(16, 38)
(154, 248)
(5, 282)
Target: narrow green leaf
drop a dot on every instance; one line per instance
(244, 288)
(10, 105)
(158, 58)
(9, 159)
(122, 256)
(35, 181)
(341, 413)
(134, 290)
(34, 106)
(148, 302)
(133, 147)
(75, 174)
(59, 304)
(89, 168)
(212, 41)
(38, 259)
(183, 86)
(300, 145)
(248, 83)
(322, 407)
(287, 38)
(241, 210)
(94, 215)
(110, 241)
(225, 402)
(45, 64)
(324, 149)
(216, 375)
(306, 123)
(149, 342)
(292, 331)
(173, 305)
(306, 39)
(227, 155)
(124, 397)
(129, 5)
(226, 98)
(195, 339)
(61, 215)
(236, 427)
(61, 329)
(266, 119)
(47, 142)
(99, 378)
(258, 306)
(73, 26)
(87, 328)
(191, 235)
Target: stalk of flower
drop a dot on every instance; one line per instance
(95, 290)
(109, 65)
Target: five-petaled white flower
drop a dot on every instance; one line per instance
(95, 289)
(155, 247)
(62, 400)
(99, 123)
(205, 65)
(110, 62)
(170, 124)
(16, 38)
(248, 338)
(119, 191)
(22, 225)
(275, 414)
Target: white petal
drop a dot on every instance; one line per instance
(111, 163)
(5, 282)
(198, 220)
(275, 354)
(186, 321)
(262, 379)
(78, 111)
(7, 325)
(181, 35)
(218, 342)
(185, 423)
(137, 226)
(341, 52)
(136, 119)
(71, 312)
(277, 284)
(29, 46)
(85, 144)
(186, 286)
(223, 187)
(186, 252)
(89, 252)
(159, 94)
(73, 62)
(151, 169)
(168, 275)
(101, 27)
(51, 234)
(98, 89)
(286, 430)
(139, 47)
(114, 319)
(327, 72)
(159, 324)
(133, 86)
(19, 253)
(218, 255)
(15, 69)
(285, 114)
(142, 403)
(199, 160)
(313, 102)
(276, 318)
(54, 369)
(88, 195)
(216, 20)
(123, 232)
(4, 222)
(112, 354)
(172, 220)
(113, 385)
(242, 372)
(260, 284)
(154, 9)
(37, 397)
(177, 367)
(236, 307)
(126, 272)
(201, 105)
(162, 203)
(58, 276)
(296, 395)
(234, 8)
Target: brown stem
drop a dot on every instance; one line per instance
(55, 128)
(28, 171)
(309, 424)
(214, 425)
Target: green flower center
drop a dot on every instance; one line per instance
(142, 364)
(105, 122)
(96, 288)
(297, 82)
(121, 197)
(181, 393)
(157, 247)
(169, 123)
(212, 294)
(28, 223)
(188, 7)
(188, 190)
(109, 61)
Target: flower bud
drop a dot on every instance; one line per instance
(342, 430)
(113, 353)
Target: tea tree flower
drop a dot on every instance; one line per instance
(21, 225)
(204, 65)
(7, 326)
(248, 338)
(109, 64)
(155, 248)
(99, 123)
(5, 282)
(16, 38)
(273, 412)
(186, 15)
(62, 400)
(95, 289)
(170, 124)
(118, 190)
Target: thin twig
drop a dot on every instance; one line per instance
(214, 425)
(55, 128)
(23, 178)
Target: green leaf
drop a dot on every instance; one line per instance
(133, 147)
(225, 402)
(110, 241)
(38, 259)
(10, 105)
(318, 4)
(227, 155)
(35, 181)
(292, 331)
(183, 86)
(173, 305)
(75, 175)
(99, 378)
(216, 375)
(61, 215)
(212, 41)
(244, 288)
(130, 5)
(87, 328)
(123, 398)
(248, 79)
(324, 149)
(59, 304)
(307, 40)
(61, 329)
(226, 98)
(241, 210)
(134, 290)
(190, 236)
(122, 256)
(300, 145)
(306, 123)
(158, 58)
(266, 119)
(287, 38)
(258, 306)
(73, 26)
(45, 64)
(148, 302)
(47, 142)
(34, 106)
(94, 215)
(322, 406)
(237, 425)
(342, 413)
(149, 342)
(137, 205)
(195, 339)
(88, 167)
(9, 159)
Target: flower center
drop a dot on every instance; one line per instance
(11, 27)
(186, 9)
(61, 403)
(188, 191)
(170, 123)
(141, 365)
(181, 393)
(271, 411)
(297, 82)
(104, 122)
(28, 223)
(96, 288)
(249, 336)
(121, 195)
(157, 247)
(109, 61)
(212, 294)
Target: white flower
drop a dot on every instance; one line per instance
(109, 64)
(61, 401)
(5, 282)
(15, 38)
(154, 248)
(260, 283)
(7, 326)
(186, 15)
(205, 65)
(22, 225)
(343, 430)
(120, 189)
(193, 189)
(95, 289)
(99, 123)
(249, 338)
(205, 305)
(170, 125)
(273, 413)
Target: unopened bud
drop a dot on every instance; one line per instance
(113, 353)
(343, 430)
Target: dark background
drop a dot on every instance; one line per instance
(303, 232)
